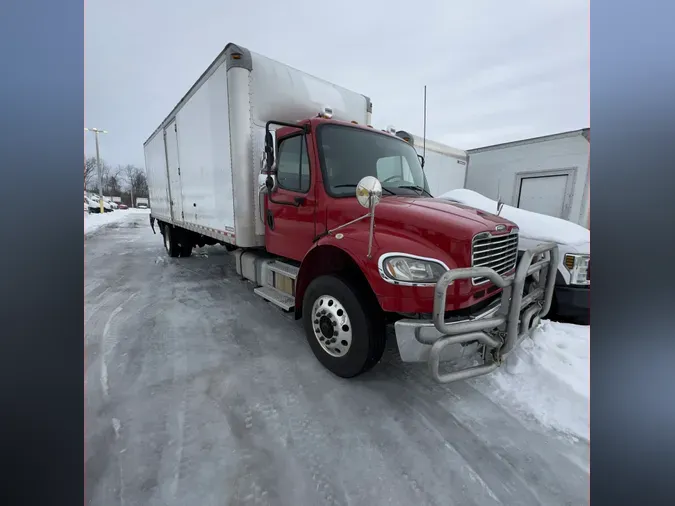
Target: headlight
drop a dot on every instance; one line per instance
(411, 270)
(578, 267)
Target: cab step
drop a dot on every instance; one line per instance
(276, 297)
(288, 270)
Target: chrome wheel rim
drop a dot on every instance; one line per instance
(331, 325)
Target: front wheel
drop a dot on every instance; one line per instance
(343, 329)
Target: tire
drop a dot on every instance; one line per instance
(185, 250)
(362, 326)
(170, 244)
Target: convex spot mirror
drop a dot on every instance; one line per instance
(369, 192)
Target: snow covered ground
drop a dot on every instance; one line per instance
(547, 379)
(93, 222)
(199, 392)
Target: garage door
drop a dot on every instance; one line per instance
(543, 194)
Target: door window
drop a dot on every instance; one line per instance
(293, 164)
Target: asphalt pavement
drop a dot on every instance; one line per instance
(200, 393)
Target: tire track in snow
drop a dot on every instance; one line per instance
(108, 344)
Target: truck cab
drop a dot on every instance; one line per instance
(348, 274)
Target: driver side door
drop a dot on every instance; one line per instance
(290, 224)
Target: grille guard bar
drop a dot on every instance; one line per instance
(502, 333)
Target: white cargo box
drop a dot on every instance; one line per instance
(203, 161)
(444, 166)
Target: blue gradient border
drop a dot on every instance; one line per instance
(633, 245)
(41, 251)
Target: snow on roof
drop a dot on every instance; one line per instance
(532, 225)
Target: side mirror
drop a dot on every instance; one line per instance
(271, 183)
(263, 161)
(369, 192)
(421, 160)
(268, 154)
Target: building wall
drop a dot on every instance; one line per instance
(494, 172)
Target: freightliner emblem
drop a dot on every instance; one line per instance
(499, 228)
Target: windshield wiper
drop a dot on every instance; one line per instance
(417, 188)
(354, 186)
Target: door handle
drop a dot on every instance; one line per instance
(300, 200)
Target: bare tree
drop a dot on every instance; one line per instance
(108, 175)
(141, 184)
(129, 172)
(113, 187)
(135, 180)
(90, 172)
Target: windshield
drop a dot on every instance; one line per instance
(348, 154)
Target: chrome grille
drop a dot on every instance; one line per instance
(497, 252)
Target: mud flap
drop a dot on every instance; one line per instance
(152, 224)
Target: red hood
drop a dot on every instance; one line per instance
(451, 218)
(421, 226)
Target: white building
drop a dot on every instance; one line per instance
(548, 175)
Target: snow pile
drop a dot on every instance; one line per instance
(93, 222)
(532, 225)
(547, 378)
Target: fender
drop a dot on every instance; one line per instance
(330, 255)
(348, 251)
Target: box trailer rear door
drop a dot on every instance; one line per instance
(173, 167)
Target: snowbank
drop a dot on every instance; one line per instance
(93, 222)
(547, 378)
(532, 225)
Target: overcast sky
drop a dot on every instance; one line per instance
(495, 70)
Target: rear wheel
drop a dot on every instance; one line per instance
(344, 329)
(170, 244)
(185, 250)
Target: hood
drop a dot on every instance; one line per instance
(434, 219)
(421, 226)
(457, 210)
(535, 226)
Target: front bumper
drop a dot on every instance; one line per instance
(495, 332)
(573, 301)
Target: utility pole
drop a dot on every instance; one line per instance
(98, 164)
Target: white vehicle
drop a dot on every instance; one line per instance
(111, 201)
(95, 206)
(571, 298)
(142, 203)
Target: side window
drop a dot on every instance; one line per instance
(293, 165)
(393, 168)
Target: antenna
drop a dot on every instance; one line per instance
(500, 202)
(424, 135)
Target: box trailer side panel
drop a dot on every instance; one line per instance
(158, 184)
(215, 138)
(203, 141)
(444, 166)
